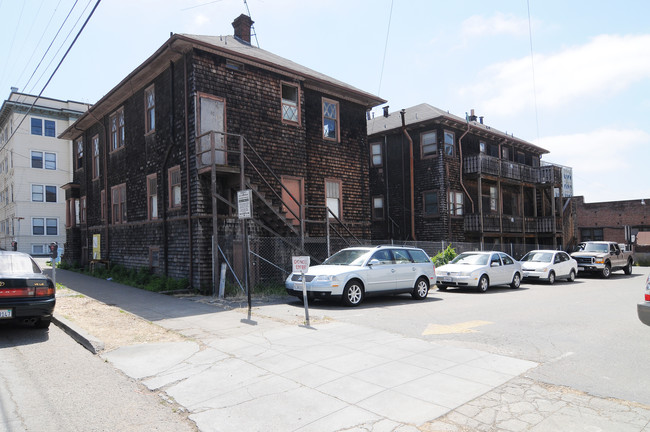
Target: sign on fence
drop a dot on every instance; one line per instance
(245, 204)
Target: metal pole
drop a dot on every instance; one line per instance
(304, 297)
(215, 231)
(245, 245)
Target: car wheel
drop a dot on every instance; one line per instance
(572, 276)
(42, 323)
(421, 289)
(483, 283)
(607, 271)
(516, 281)
(551, 278)
(628, 268)
(353, 293)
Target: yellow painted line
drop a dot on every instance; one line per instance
(464, 327)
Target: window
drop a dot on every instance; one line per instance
(591, 234)
(79, 154)
(37, 159)
(455, 203)
(150, 109)
(117, 129)
(429, 144)
(290, 103)
(449, 143)
(174, 187)
(154, 257)
(37, 126)
(95, 157)
(481, 147)
(233, 65)
(50, 128)
(430, 200)
(330, 120)
(82, 210)
(50, 161)
(37, 193)
(45, 226)
(378, 208)
(494, 198)
(376, 156)
(505, 153)
(152, 196)
(39, 249)
(118, 202)
(333, 197)
(39, 196)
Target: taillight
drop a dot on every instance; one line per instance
(44, 292)
(647, 289)
(17, 292)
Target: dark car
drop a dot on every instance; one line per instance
(26, 295)
(643, 309)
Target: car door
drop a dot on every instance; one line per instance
(381, 272)
(509, 267)
(405, 270)
(562, 264)
(497, 271)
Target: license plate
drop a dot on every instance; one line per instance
(446, 279)
(297, 286)
(581, 268)
(5, 313)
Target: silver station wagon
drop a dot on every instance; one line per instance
(354, 273)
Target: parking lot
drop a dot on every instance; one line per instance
(585, 334)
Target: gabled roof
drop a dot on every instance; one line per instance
(229, 47)
(425, 113)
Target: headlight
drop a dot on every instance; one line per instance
(600, 261)
(330, 278)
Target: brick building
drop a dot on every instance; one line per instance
(618, 221)
(435, 176)
(158, 161)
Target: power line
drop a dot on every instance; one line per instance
(383, 62)
(52, 75)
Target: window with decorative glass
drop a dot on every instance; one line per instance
(449, 143)
(429, 144)
(116, 121)
(290, 103)
(330, 119)
(150, 109)
(118, 203)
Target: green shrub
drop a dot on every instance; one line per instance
(443, 257)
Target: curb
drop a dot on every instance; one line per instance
(88, 341)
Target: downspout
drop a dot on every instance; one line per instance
(408, 137)
(388, 219)
(460, 152)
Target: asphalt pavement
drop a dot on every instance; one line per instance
(265, 370)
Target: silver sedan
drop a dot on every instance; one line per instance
(480, 270)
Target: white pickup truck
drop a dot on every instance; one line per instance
(603, 257)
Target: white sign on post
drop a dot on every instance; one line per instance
(245, 204)
(300, 264)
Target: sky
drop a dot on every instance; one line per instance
(571, 77)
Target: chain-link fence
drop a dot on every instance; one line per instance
(270, 257)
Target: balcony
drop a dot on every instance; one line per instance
(493, 223)
(488, 165)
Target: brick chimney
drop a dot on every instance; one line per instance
(242, 25)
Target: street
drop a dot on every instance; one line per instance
(585, 335)
(50, 383)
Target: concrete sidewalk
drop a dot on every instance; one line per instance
(266, 372)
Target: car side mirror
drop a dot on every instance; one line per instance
(494, 264)
(373, 262)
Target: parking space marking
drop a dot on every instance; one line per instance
(464, 327)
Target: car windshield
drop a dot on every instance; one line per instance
(471, 259)
(17, 264)
(538, 257)
(593, 247)
(351, 257)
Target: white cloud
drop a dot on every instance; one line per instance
(606, 65)
(499, 23)
(608, 164)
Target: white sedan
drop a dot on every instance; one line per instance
(549, 265)
(479, 270)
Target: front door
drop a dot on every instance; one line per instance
(211, 117)
(292, 203)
